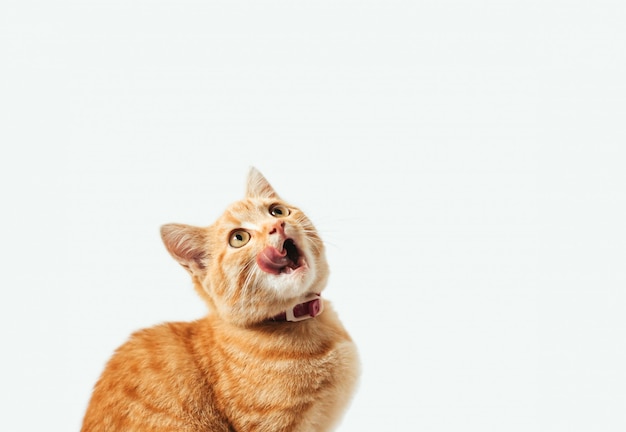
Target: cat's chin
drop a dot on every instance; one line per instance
(292, 276)
(292, 283)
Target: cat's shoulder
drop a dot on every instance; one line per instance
(161, 339)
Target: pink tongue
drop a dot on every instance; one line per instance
(270, 260)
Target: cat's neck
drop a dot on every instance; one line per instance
(308, 308)
(306, 336)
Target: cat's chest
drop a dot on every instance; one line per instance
(274, 392)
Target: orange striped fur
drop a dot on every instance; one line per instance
(236, 369)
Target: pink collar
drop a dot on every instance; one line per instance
(310, 308)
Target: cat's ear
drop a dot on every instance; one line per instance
(187, 244)
(258, 186)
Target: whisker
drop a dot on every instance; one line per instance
(250, 274)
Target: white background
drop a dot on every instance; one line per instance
(464, 162)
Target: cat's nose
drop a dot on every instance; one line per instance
(279, 227)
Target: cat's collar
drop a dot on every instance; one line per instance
(310, 308)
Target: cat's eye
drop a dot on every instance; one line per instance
(279, 211)
(239, 238)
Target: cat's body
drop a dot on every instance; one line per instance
(243, 367)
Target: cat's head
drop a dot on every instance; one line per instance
(261, 256)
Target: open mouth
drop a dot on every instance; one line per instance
(293, 254)
(271, 260)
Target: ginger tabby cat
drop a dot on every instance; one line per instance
(270, 356)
